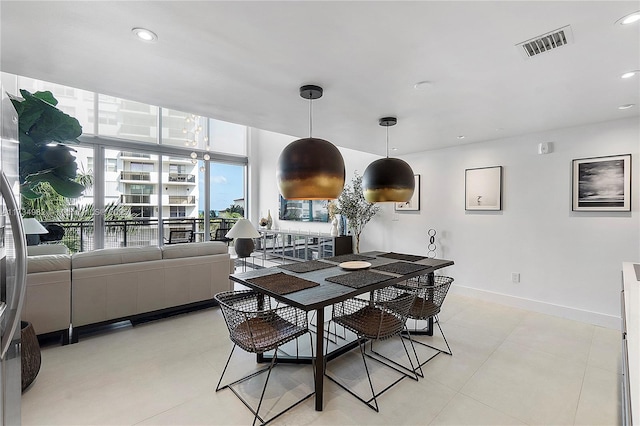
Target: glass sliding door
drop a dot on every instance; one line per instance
(227, 197)
(180, 198)
(131, 198)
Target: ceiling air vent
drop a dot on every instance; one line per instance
(546, 42)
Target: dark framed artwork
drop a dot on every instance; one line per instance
(602, 184)
(483, 188)
(414, 203)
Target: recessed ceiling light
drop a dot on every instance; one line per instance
(461, 137)
(144, 34)
(630, 18)
(394, 149)
(421, 85)
(630, 74)
(626, 106)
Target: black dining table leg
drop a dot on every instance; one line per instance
(319, 376)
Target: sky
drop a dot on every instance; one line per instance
(227, 184)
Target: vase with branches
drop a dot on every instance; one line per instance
(355, 208)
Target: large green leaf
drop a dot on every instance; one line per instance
(40, 124)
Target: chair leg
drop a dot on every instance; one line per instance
(366, 368)
(225, 370)
(273, 361)
(414, 374)
(448, 351)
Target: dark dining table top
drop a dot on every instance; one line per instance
(328, 293)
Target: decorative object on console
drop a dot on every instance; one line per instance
(32, 228)
(243, 232)
(388, 179)
(483, 188)
(602, 184)
(414, 203)
(355, 208)
(310, 168)
(432, 244)
(269, 219)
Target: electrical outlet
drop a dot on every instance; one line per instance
(515, 277)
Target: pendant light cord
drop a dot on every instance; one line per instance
(387, 141)
(310, 118)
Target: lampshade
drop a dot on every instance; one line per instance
(310, 168)
(32, 226)
(388, 179)
(243, 229)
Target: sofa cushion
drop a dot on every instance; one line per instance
(115, 256)
(48, 263)
(47, 249)
(207, 248)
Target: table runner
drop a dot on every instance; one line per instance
(348, 258)
(281, 283)
(402, 256)
(311, 265)
(401, 268)
(358, 279)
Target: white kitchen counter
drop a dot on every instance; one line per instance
(631, 336)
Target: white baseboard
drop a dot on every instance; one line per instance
(595, 318)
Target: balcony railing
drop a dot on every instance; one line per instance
(182, 177)
(135, 199)
(182, 199)
(134, 154)
(142, 176)
(79, 235)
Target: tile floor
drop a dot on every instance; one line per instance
(510, 367)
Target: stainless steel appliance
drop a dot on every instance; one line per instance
(13, 265)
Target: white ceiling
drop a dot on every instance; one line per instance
(243, 62)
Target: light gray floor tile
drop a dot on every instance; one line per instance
(164, 372)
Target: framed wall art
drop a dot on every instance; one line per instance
(483, 188)
(602, 184)
(414, 203)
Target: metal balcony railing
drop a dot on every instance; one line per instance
(134, 154)
(79, 235)
(135, 199)
(182, 199)
(182, 177)
(141, 176)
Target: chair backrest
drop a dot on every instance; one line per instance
(220, 235)
(56, 232)
(180, 236)
(254, 325)
(429, 298)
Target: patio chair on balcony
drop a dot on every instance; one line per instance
(220, 235)
(180, 236)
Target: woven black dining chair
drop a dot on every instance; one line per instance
(428, 303)
(256, 327)
(382, 317)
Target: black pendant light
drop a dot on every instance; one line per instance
(388, 179)
(310, 168)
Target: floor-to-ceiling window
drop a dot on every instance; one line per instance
(145, 168)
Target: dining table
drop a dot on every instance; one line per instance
(316, 284)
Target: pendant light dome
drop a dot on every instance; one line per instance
(388, 179)
(310, 168)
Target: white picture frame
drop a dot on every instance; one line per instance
(483, 189)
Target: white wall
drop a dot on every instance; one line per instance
(569, 262)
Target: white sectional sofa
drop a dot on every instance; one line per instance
(109, 285)
(47, 303)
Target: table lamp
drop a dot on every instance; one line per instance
(243, 232)
(32, 228)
